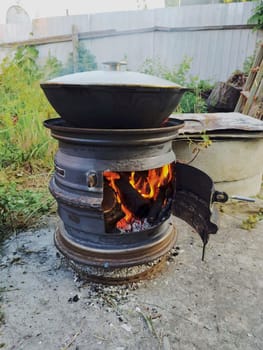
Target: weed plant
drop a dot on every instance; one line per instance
(192, 101)
(20, 208)
(23, 108)
(26, 148)
(25, 145)
(257, 16)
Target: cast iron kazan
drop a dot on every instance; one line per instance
(113, 99)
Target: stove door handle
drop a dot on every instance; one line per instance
(243, 198)
(223, 197)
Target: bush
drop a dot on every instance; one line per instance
(192, 101)
(86, 61)
(257, 16)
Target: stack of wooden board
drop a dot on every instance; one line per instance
(251, 98)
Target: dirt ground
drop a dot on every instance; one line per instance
(216, 304)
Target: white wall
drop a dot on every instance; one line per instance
(216, 52)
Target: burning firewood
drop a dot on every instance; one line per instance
(111, 208)
(132, 199)
(157, 206)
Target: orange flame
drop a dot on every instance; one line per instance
(156, 178)
(111, 177)
(146, 183)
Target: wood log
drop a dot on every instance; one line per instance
(159, 211)
(132, 199)
(223, 98)
(112, 217)
(109, 198)
(111, 209)
(166, 210)
(157, 206)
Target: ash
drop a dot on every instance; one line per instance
(137, 225)
(115, 275)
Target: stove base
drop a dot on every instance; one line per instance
(119, 276)
(109, 266)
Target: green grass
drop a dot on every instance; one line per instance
(251, 221)
(23, 109)
(26, 148)
(21, 208)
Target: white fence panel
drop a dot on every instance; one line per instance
(216, 37)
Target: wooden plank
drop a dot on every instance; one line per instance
(253, 81)
(58, 39)
(113, 32)
(255, 86)
(254, 69)
(39, 41)
(245, 93)
(259, 93)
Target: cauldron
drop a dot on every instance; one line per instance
(113, 99)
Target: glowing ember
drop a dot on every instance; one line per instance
(136, 192)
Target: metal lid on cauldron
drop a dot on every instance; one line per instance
(113, 99)
(112, 78)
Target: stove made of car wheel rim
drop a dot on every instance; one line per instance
(116, 191)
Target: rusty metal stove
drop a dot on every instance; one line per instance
(87, 234)
(117, 189)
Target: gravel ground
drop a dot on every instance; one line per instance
(215, 304)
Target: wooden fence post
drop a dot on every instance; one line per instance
(75, 45)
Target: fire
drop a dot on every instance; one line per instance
(149, 187)
(111, 177)
(146, 184)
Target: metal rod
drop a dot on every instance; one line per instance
(242, 198)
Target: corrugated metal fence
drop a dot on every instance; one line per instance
(217, 37)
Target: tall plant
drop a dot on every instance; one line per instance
(257, 16)
(23, 108)
(86, 61)
(192, 101)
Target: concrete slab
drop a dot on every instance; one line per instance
(216, 304)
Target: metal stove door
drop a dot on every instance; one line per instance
(193, 200)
